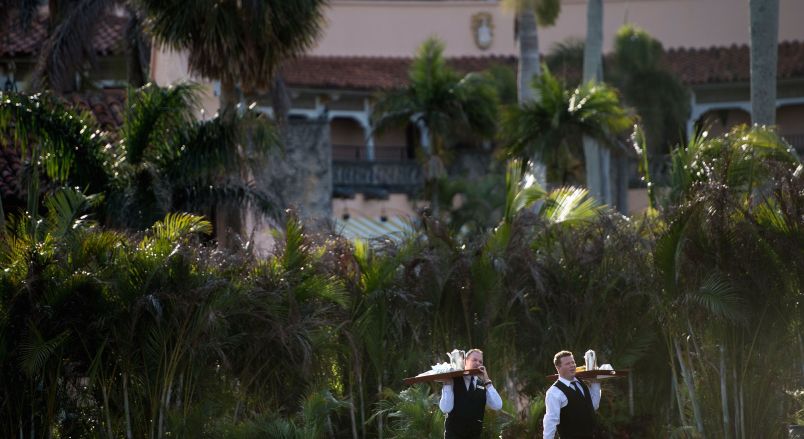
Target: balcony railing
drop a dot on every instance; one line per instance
(364, 175)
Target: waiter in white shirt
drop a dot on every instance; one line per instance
(464, 400)
(571, 404)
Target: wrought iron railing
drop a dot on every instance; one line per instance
(391, 176)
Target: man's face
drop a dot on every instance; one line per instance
(567, 367)
(473, 361)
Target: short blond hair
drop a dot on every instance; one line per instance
(472, 351)
(559, 355)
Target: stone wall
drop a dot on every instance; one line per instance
(299, 176)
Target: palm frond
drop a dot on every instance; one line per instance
(547, 11)
(520, 193)
(392, 109)
(740, 161)
(769, 214)
(317, 408)
(65, 208)
(719, 297)
(641, 148)
(62, 139)
(70, 44)
(196, 195)
(177, 226)
(542, 128)
(451, 107)
(413, 413)
(36, 351)
(218, 147)
(154, 117)
(569, 205)
(26, 10)
(236, 42)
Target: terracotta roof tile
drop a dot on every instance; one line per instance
(107, 105)
(16, 42)
(368, 73)
(731, 64)
(693, 67)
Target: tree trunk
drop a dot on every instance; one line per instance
(352, 416)
(687, 375)
(138, 51)
(379, 417)
(678, 397)
(724, 398)
(528, 67)
(598, 173)
(738, 431)
(229, 98)
(764, 29)
(228, 219)
(280, 102)
(126, 409)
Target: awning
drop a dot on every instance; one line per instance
(367, 228)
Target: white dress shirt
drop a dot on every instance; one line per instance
(447, 402)
(555, 400)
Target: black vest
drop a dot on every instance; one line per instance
(466, 417)
(578, 416)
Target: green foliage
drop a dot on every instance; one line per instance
(413, 413)
(164, 335)
(235, 41)
(450, 106)
(549, 128)
(658, 97)
(162, 160)
(65, 143)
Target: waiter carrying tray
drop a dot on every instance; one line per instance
(571, 403)
(464, 400)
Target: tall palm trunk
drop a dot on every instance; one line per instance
(126, 407)
(598, 160)
(137, 49)
(227, 218)
(764, 52)
(724, 398)
(688, 381)
(528, 67)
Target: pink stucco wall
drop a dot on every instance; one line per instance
(396, 28)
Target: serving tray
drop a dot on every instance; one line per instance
(596, 374)
(441, 376)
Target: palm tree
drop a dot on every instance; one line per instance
(730, 235)
(657, 96)
(68, 47)
(528, 14)
(444, 106)
(764, 52)
(598, 161)
(239, 43)
(161, 160)
(545, 129)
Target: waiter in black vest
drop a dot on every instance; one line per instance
(571, 404)
(464, 400)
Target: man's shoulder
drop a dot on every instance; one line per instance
(554, 388)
